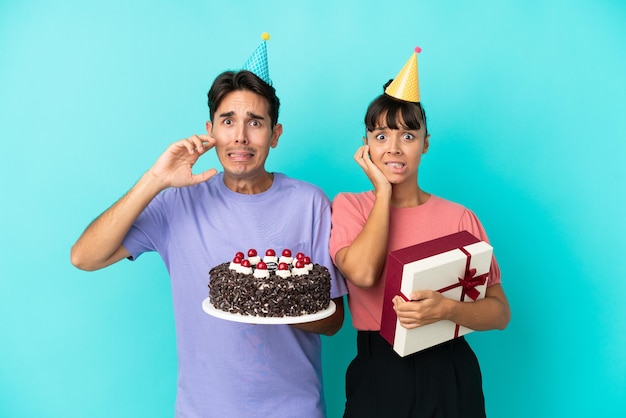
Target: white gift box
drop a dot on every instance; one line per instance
(456, 265)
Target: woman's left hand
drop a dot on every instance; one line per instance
(425, 307)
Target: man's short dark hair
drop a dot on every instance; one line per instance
(230, 81)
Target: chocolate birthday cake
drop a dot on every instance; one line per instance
(270, 287)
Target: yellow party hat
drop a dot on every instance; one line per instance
(406, 84)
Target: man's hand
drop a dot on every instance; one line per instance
(100, 245)
(174, 167)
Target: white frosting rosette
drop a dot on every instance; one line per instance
(245, 267)
(235, 264)
(298, 257)
(270, 257)
(308, 264)
(299, 269)
(253, 257)
(261, 273)
(283, 271)
(286, 257)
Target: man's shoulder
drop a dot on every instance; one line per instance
(195, 193)
(302, 185)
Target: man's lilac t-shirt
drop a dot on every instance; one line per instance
(230, 369)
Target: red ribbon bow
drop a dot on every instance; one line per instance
(468, 281)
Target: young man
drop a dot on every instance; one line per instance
(196, 221)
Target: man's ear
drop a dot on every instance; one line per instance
(209, 128)
(276, 133)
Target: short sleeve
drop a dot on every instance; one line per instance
(148, 229)
(349, 215)
(469, 222)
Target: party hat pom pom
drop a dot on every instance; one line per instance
(265, 36)
(418, 49)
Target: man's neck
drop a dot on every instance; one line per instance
(256, 185)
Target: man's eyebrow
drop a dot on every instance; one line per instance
(226, 114)
(232, 113)
(253, 116)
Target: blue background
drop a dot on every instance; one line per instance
(526, 106)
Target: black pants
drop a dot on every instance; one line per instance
(442, 381)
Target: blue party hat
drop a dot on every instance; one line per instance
(257, 63)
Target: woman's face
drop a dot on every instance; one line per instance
(397, 152)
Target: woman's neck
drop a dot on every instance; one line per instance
(408, 195)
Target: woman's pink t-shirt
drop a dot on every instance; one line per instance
(435, 218)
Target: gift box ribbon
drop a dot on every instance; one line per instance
(469, 282)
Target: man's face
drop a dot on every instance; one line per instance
(243, 136)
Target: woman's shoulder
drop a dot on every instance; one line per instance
(367, 196)
(359, 199)
(445, 206)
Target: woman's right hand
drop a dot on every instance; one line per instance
(379, 181)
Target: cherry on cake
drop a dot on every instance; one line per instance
(272, 286)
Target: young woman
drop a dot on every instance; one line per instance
(442, 381)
